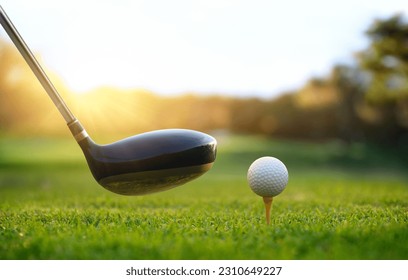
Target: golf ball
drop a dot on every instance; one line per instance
(267, 176)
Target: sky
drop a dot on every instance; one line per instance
(235, 47)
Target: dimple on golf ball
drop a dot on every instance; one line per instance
(267, 176)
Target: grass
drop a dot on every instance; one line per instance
(342, 202)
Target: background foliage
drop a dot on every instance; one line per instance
(366, 101)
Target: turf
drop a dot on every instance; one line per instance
(342, 202)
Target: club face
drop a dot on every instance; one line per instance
(150, 162)
(141, 183)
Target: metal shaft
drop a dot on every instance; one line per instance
(36, 67)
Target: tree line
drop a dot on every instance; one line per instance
(365, 101)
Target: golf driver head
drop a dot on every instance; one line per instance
(145, 163)
(150, 162)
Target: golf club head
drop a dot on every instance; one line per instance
(142, 164)
(150, 162)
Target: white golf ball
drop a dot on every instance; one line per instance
(267, 176)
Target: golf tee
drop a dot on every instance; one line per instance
(268, 205)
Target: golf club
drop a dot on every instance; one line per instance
(145, 163)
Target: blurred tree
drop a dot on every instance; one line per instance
(386, 60)
(317, 104)
(386, 63)
(246, 115)
(348, 83)
(22, 106)
(12, 74)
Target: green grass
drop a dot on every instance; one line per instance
(342, 202)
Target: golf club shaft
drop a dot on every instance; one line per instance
(36, 67)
